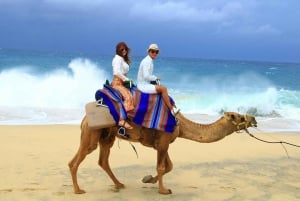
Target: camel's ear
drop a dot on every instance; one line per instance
(229, 116)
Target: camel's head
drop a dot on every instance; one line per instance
(241, 121)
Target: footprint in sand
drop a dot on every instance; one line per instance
(5, 190)
(227, 188)
(59, 193)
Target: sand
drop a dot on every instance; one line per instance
(34, 167)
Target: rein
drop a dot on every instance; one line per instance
(272, 142)
(278, 142)
(246, 125)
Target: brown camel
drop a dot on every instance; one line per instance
(159, 140)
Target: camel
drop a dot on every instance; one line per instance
(205, 133)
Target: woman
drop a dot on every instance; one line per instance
(145, 78)
(120, 64)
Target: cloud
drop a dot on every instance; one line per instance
(257, 30)
(72, 23)
(75, 4)
(185, 11)
(266, 29)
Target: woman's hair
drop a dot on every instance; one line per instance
(119, 48)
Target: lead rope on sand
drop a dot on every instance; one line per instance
(273, 142)
(133, 147)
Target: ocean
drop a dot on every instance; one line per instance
(53, 87)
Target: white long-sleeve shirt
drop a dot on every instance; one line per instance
(145, 71)
(120, 67)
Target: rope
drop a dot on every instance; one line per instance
(278, 142)
(133, 147)
(273, 142)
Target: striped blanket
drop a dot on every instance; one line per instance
(150, 110)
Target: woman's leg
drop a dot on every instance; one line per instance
(128, 99)
(128, 103)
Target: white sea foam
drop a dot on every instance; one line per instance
(60, 96)
(59, 89)
(56, 97)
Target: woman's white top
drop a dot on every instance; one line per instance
(120, 67)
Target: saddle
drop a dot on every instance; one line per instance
(150, 110)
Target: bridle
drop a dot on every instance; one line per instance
(238, 125)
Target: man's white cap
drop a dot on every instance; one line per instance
(153, 47)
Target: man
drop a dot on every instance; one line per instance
(145, 78)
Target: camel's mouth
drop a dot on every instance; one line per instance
(250, 121)
(253, 122)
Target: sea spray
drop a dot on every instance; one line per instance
(62, 88)
(39, 87)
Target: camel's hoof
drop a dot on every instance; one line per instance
(119, 186)
(165, 191)
(147, 179)
(79, 191)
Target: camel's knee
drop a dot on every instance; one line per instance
(82, 152)
(169, 169)
(169, 166)
(91, 148)
(161, 170)
(71, 163)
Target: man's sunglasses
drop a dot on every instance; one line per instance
(154, 51)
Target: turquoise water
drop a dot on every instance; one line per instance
(51, 87)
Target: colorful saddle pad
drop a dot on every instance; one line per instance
(150, 110)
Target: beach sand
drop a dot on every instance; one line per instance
(34, 167)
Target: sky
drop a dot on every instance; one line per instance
(259, 30)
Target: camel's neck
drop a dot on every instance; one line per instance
(204, 132)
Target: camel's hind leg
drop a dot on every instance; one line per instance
(106, 142)
(88, 143)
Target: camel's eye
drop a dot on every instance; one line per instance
(232, 116)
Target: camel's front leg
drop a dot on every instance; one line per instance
(163, 167)
(105, 145)
(168, 168)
